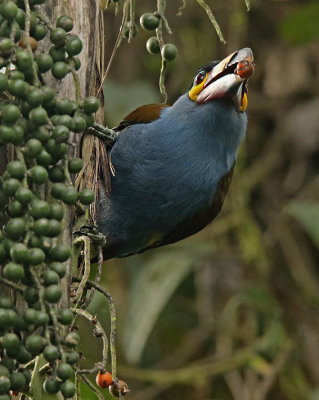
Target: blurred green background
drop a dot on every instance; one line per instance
(232, 312)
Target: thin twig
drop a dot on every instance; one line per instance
(109, 298)
(116, 46)
(91, 386)
(12, 285)
(99, 328)
(208, 10)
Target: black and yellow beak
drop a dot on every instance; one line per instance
(228, 79)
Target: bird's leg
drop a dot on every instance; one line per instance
(93, 233)
(102, 132)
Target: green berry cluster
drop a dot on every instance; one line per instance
(149, 22)
(35, 190)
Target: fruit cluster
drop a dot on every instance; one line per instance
(150, 22)
(35, 190)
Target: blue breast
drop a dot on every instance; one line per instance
(167, 170)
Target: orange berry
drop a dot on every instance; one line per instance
(32, 41)
(104, 379)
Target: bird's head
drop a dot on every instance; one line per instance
(224, 79)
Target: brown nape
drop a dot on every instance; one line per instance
(142, 115)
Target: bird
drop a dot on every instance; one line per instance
(171, 166)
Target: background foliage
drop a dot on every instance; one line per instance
(231, 313)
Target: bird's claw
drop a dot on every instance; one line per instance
(93, 233)
(107, 135)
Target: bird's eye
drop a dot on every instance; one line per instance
(199, 77)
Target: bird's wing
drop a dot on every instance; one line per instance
(141, 115)
(196, 222)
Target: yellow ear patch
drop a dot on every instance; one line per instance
(244, 103)
(194, 92)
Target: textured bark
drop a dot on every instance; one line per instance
(88, 26)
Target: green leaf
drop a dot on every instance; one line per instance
(156, 282)
(307, 214)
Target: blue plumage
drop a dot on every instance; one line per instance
(167, 171)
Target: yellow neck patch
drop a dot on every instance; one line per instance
(194, 92)
(244, 103)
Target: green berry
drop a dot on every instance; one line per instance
(16, 169)
(61, 133)
(39, 209)
(75, 165)
(4, 83)
(4, 371)
(57, 190)
(79, 123)
(9, 10)
(16, 209)
(36, 256)
(5, 385)
(10, 114)
(44, 158)
(29, 315)
(48, 95)
(39, 32)
(50, 278)
(10, 186)
(149, 21)
(59, 268)
(7, 134)
(41, 227)
(58, 36)
(45, 62)
(38, 116)
(25, 60)
(169, 52)
(52, 385)
(66, 317)
(6, 46)
(18, 88)
(10, 341)
(60, 253)
(73, 46)
(15, 228)
(42, 134)
(52, 293)
(64, 371)
(69, 195)
(57, 53)
(17, 380)
(153, 46)
(19, 252)
(34, 344)
(13, 272)
(55, 228)
(65, 106)
(32, 148)
(20, 18)
(91, 104)
(51, 353)
(60, 69)
(65, 22)
(56, 174)
(72, 339)
(86, 196)
(31, 295)
(23, 195)
(35, 97)
(38, 174)
(56, 211)
(67, 389)
(42, 319)
(72, 357)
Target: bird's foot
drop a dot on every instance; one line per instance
(93, 233)
(102, 132)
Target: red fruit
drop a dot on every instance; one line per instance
(244, 69)
(104, 379)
